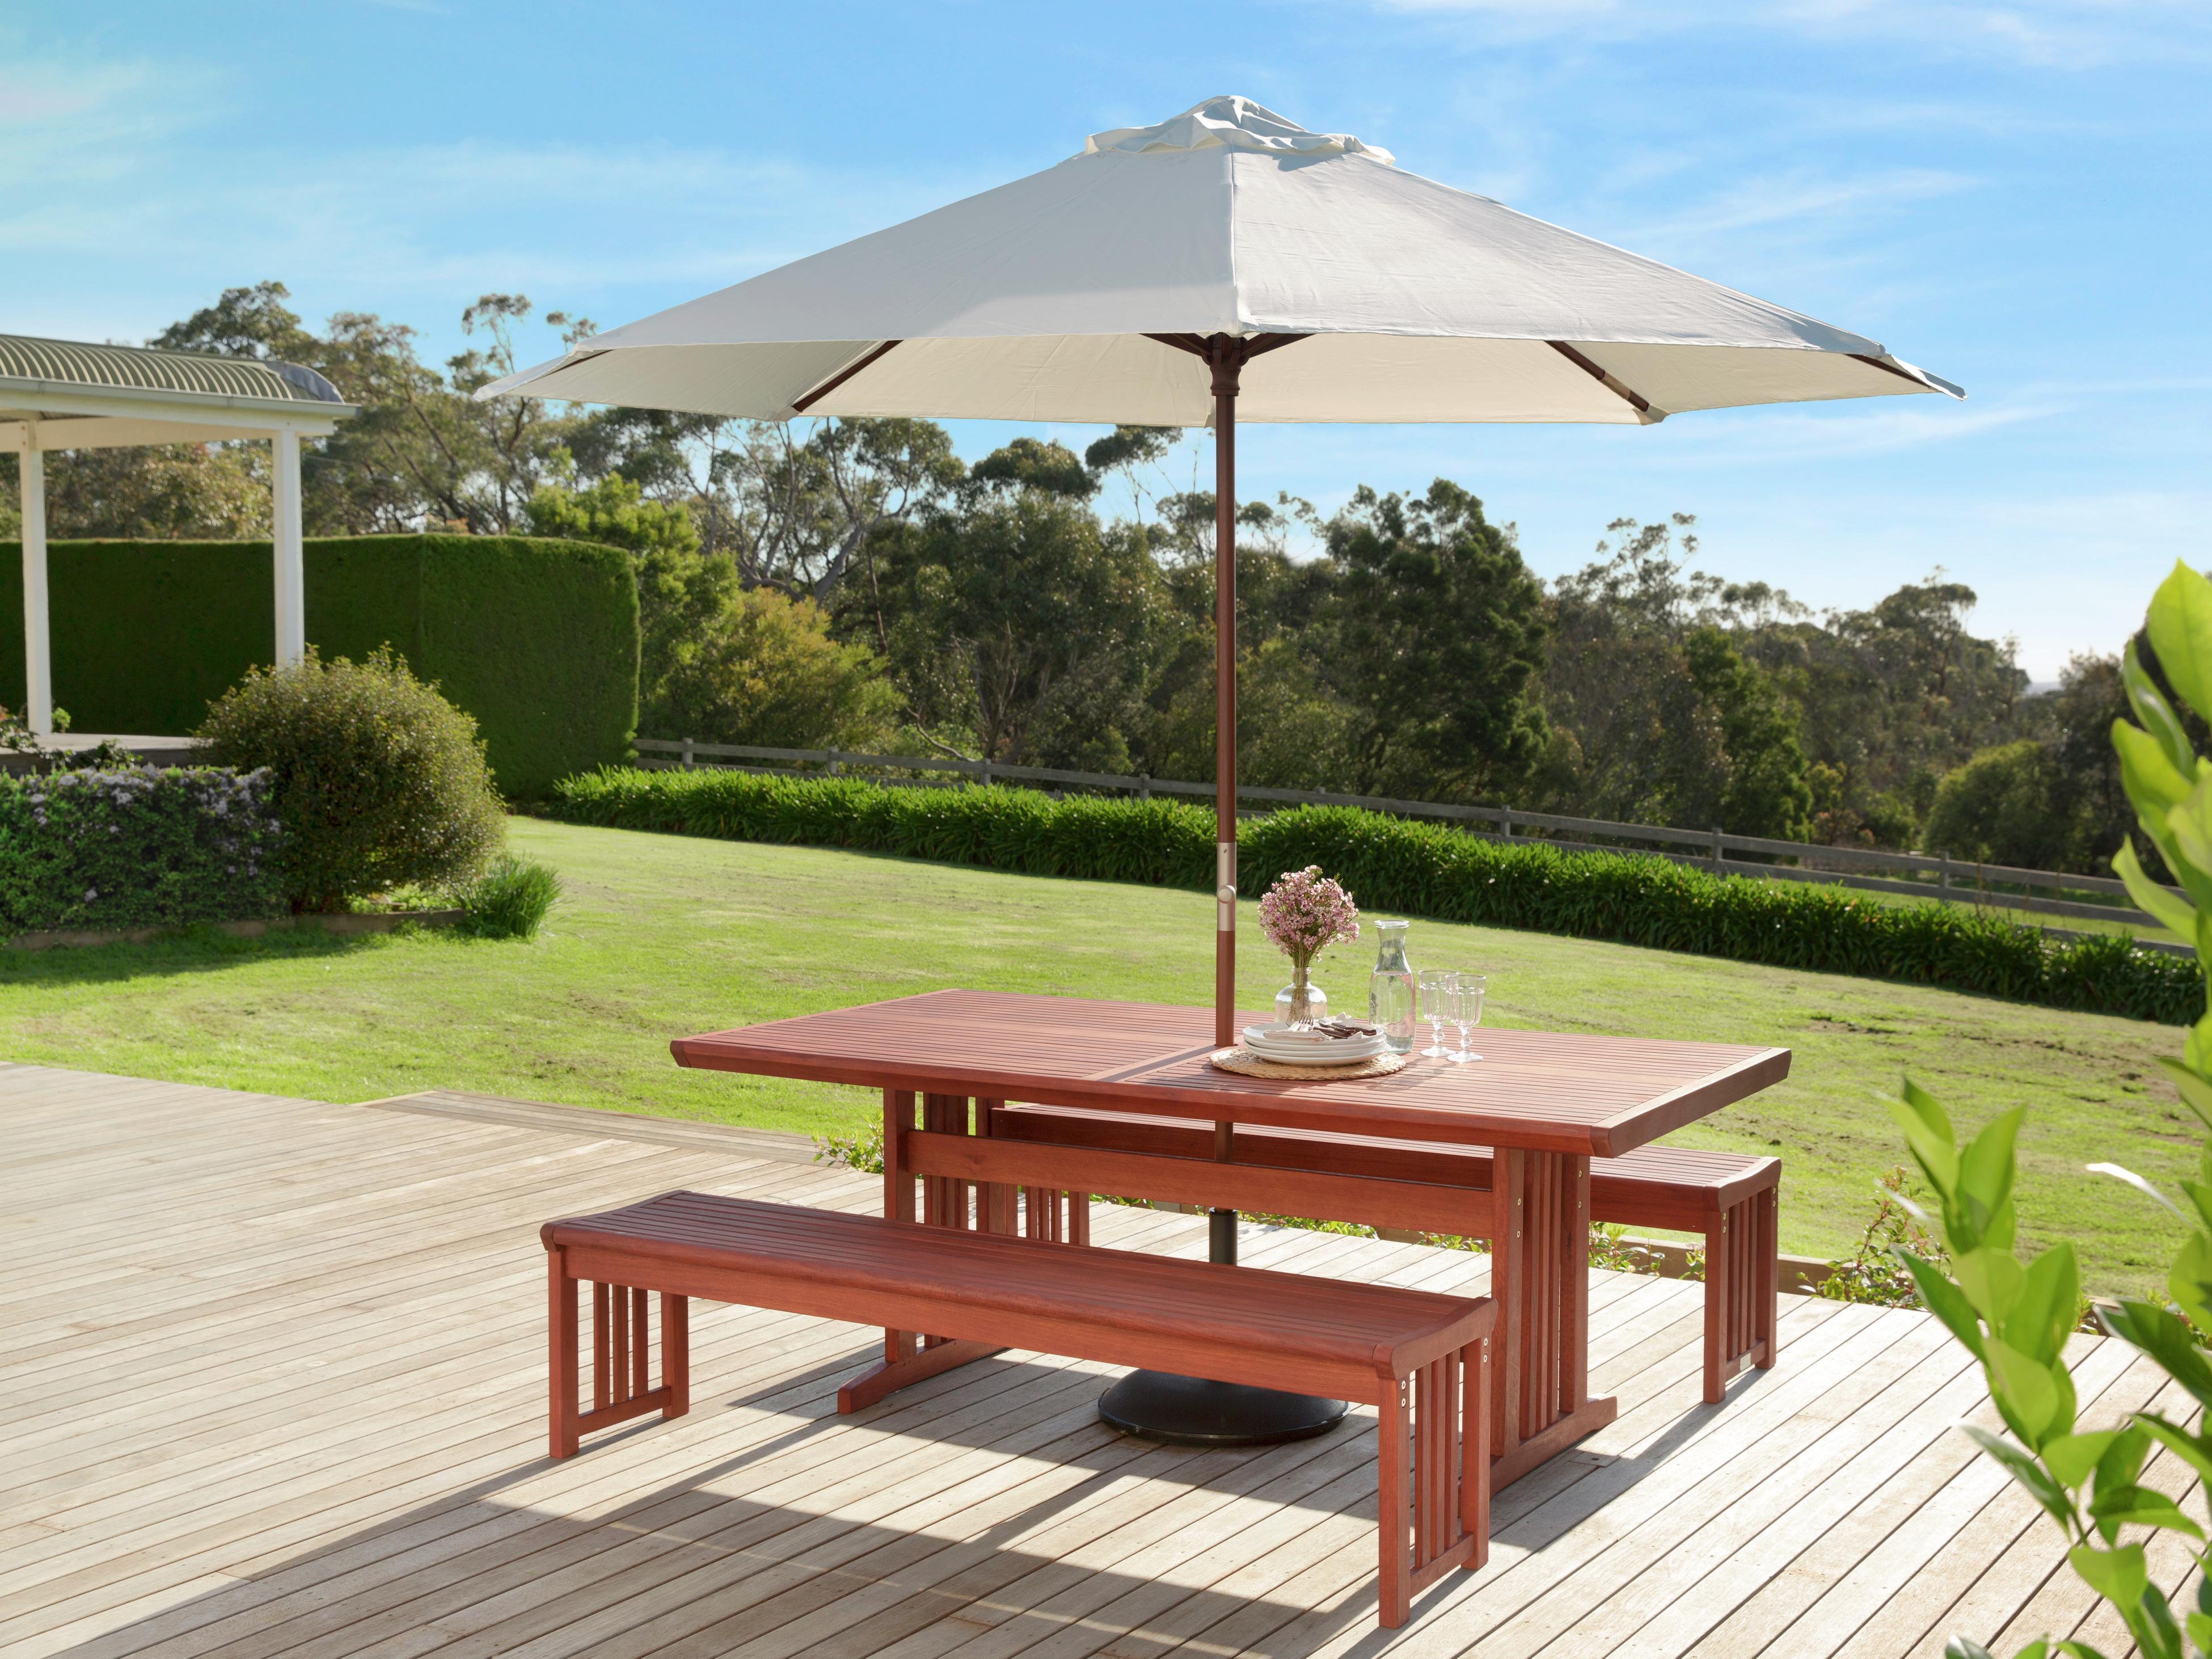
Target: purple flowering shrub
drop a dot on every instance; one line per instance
(137, 847)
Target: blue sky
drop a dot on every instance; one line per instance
(2014, 196)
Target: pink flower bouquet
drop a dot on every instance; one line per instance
(1302, 913)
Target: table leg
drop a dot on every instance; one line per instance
(909, 1357)
(1540, 1275)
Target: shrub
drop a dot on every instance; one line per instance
(1421, 869)
(135, 848)
(378, 780)
(2005, 806)
(764, 670)
(509, 901)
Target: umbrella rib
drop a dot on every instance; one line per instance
(801, 405)
(1629, 395)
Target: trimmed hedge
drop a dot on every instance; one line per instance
(537, 638)
(137, 848)
(1424, 869)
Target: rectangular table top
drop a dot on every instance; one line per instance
(1545, 1091)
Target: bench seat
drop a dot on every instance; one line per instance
(1730, 1197)
(1418, 1357)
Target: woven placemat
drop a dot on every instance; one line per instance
(1245, 1063)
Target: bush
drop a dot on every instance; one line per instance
(378, 780)
(509, 901)
(2006, 805)
(764, 670)
(1424, 870)
(137, 848)
(536, 639)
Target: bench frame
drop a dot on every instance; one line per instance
(1432, 1394)
(1443, 1190)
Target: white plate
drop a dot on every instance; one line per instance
(1324, 1060)
(1344, 1051)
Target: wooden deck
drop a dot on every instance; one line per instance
(273, 1384)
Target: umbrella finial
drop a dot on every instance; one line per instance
(1231, 121)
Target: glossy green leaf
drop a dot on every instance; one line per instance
(2117, 1506)
(2189, 823)
(2026, 1385)
(2118, 1575)
(2124, 1459)
(1928, 1133)
(2189, 1281)
(2154, 1627)
(2043, 1315)
(2170, 912)
(2156, 714)
(1943, 1300)
(1986, 1170)
(2180, 628)
(2069, 1457)
(1991, 1280)
(2194, 1449)
(2155, 785)
(2023, 1468)
(2167, 1340)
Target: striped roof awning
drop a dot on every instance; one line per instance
(141, 369)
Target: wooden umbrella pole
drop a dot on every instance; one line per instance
(1227, 358)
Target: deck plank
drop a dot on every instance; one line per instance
(294, 1411)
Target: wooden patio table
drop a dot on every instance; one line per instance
(1546, 1102)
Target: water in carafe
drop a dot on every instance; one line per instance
(1390, 988)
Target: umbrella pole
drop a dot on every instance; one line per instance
(1158, 1405)
(1227, 359)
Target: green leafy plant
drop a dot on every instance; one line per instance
(509, 901)
(2014, 1315)
(378, 780)
(1416, 869)
(137, 848)
(1873, 1275)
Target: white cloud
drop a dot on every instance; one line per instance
(2044, 33)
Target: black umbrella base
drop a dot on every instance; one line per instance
(1188, 1411)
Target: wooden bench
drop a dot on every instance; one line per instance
(1730, 1197)
(1420, 1357)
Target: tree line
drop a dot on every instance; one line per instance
(854, 584)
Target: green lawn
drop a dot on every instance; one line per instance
(660, 936)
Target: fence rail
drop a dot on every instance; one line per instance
(1955, 881)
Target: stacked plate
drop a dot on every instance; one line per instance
(1299, 1047)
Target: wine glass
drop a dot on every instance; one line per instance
(1465, 1003)
(1436, 984)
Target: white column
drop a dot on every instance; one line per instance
(38, 650)
(291, 572)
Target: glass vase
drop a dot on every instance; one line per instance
(1301, 1002)
(1390, 988)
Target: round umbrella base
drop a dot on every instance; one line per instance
(1188, 1411)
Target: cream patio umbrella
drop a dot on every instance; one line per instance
(1224, 265)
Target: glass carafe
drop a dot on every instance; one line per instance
(1390, 988)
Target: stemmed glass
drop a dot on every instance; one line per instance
(1465, 1002)
(1436, 985)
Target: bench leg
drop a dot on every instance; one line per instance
(1742, 1293)
(621, 1352)
(1432, 1500)
(911, 1356)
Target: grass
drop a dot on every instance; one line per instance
(659, 936)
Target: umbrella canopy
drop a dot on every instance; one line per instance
(1038, 301)
(1155, 280)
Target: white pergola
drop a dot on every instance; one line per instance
(64, 394)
